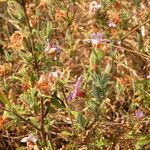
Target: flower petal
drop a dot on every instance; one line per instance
(70, 97)
(99, 36)
(32, 138)
(24, 140)
(76, 88)
(139, 114)
(78, 83)
(93, 35)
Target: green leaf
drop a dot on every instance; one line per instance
(93, 104)
(98, 92)
(142, 141)
(4, 99)
(50, 109)
(105, 79)
(137, 2)
(26, 57)
(21, 148)
(74, 113)
(81, 120)
(33, 120)
(48, 29)
(9, 57)
(100, 143)
(66, 133)
(96, 57)
(95, 91)
(57, 103)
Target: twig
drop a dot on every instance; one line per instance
(32, 38)
(91, 124)
(9, 140)
(32, 125)
(42, 122)
(43, 132)
(14, 23)
(143, 91)
(66, 101)
(134, 29)
(132, 51)
(21, 118)
(12, 137)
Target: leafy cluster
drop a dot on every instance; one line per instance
(74, 75)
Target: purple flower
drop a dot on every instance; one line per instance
(148, 76)
(139, 114)
(30, 138)
(93, 7)
(52, 49)
(97, 38)
(111, 24)
(77, 91)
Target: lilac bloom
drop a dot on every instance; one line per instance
(58, 50)
(55, 74)
(111, 24)
(148, 76)
(30, 138)
(97, 38)
(50, 49)
(93, 7)
(77, 91)
(139, 114)
(48, 46)
(1, 105)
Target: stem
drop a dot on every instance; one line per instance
(132, 51)
(21, 118)
(29, 123)
(96, 118)
(134, 29)
(43, 133)
(10, 21)
(91, 125)
(31, 40)
(42, 122)
(71, 119)
(71, 18)
(26, 121)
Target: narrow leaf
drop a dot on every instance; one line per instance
(4, 99)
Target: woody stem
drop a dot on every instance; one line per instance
(71, 118)
(36, 68)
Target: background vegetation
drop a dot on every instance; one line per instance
(74, 75)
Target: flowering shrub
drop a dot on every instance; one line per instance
(77, 91)
(74, 75)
